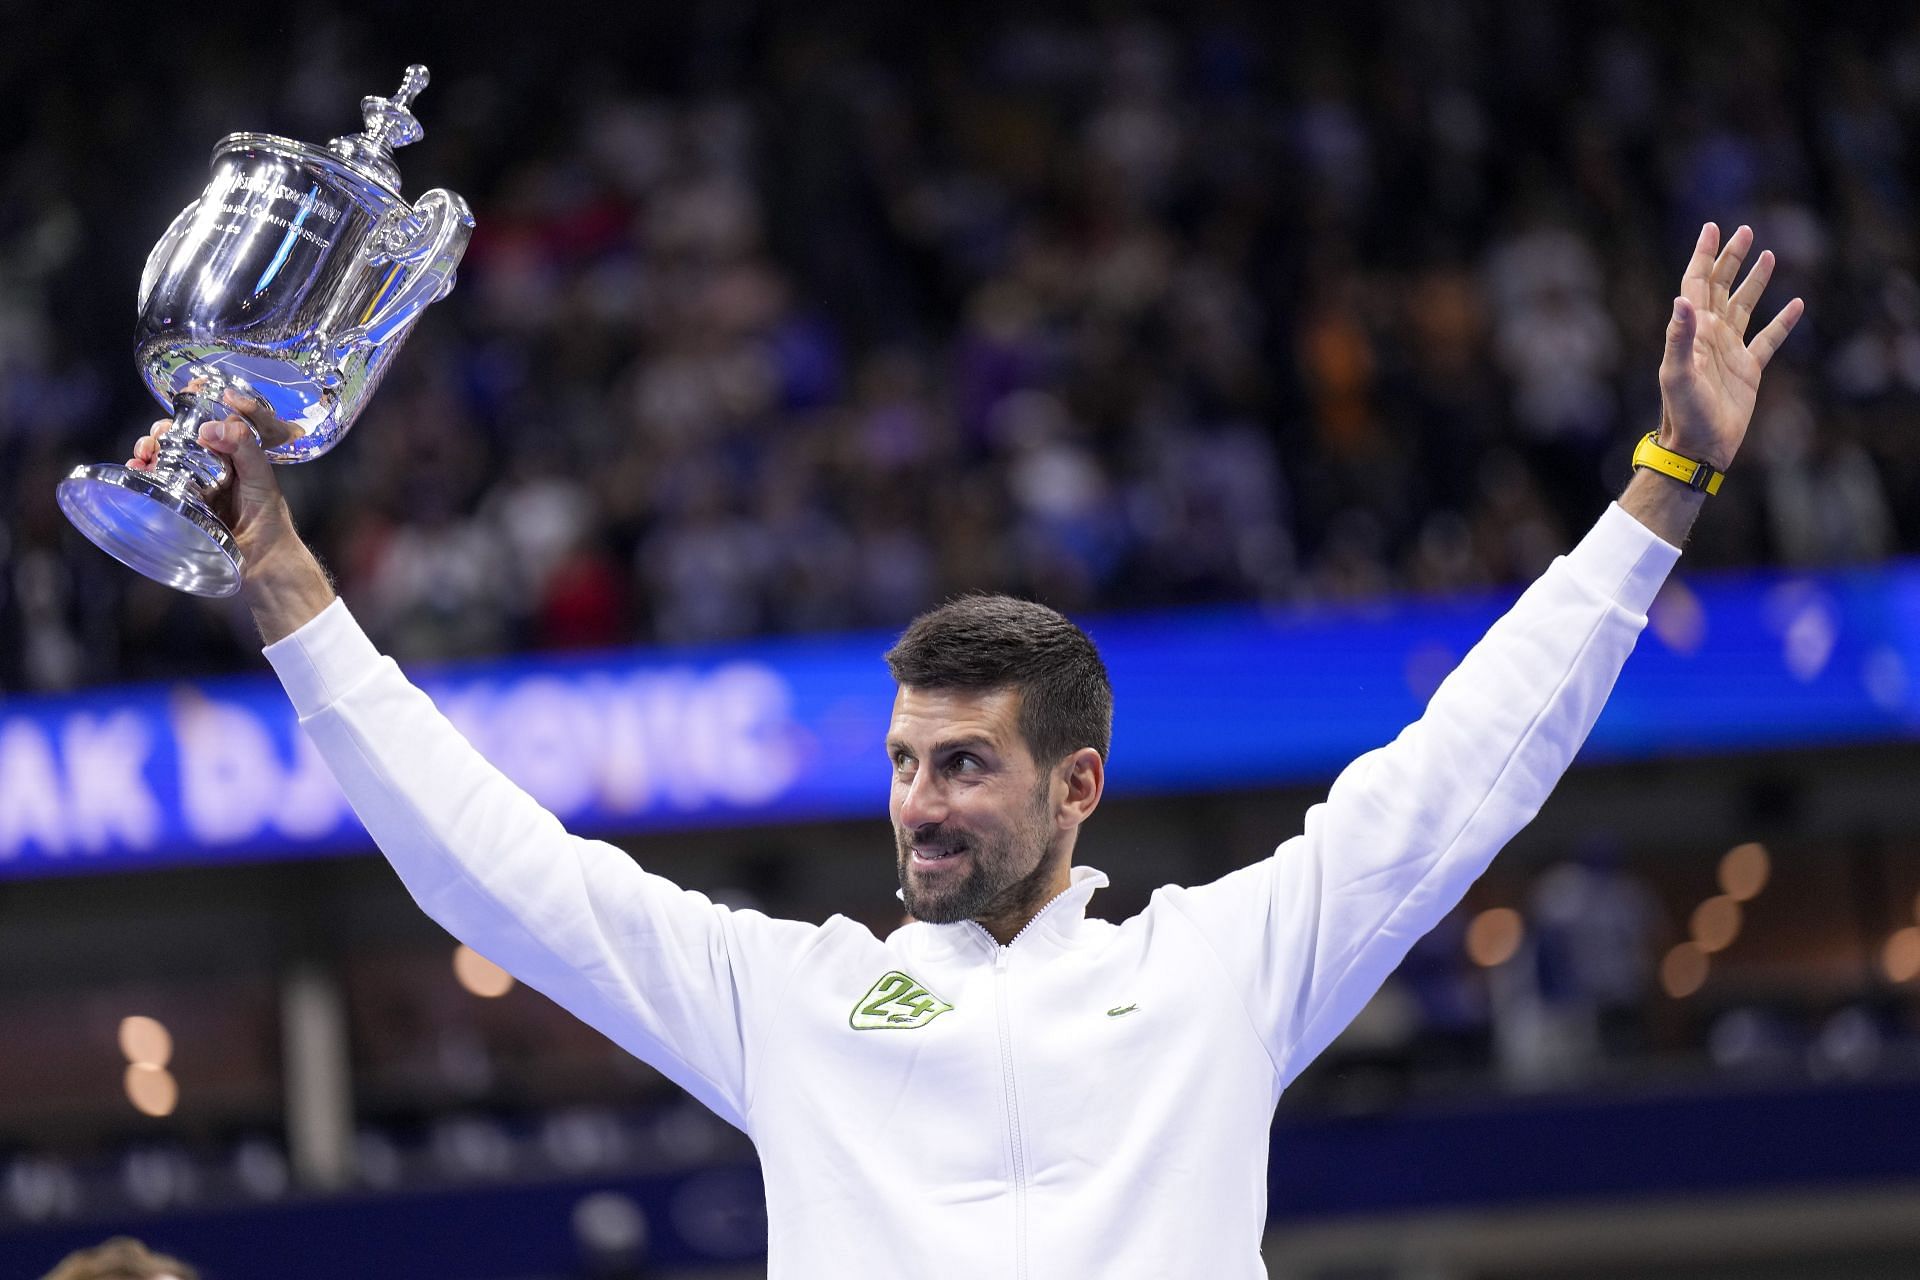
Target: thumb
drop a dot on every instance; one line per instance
(254, 488)
(1680, 331)
(233, 440)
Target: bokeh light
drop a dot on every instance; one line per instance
(1494, 936)
(1678, 618)
(1715, 923)
(480, 975)
(1744, 870)
(1900, 958)
(145, 1041)
(1683, 971)
(152, 1090)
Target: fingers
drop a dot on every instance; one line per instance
(1721, 275)
(1769, 339)
(222, 436)
(147, 447)
(1748, 294)
(268, 427)
(245, 405)
(1708, 281)
(249, 425)
(1694, 284)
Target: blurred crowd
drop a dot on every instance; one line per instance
(784, 325)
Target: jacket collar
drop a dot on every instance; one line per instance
(1054, 925)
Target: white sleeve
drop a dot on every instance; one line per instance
(675, 979)
(1309, 934)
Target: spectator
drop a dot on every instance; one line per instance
(121, 1258)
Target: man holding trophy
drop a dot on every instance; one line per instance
(1004, 1086)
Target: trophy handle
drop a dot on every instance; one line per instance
(161, 251)
(423, 247)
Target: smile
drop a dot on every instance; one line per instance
(929, 856)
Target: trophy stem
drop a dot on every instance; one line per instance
(185, 465)
(158, 522)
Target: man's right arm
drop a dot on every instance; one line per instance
(672, 977)
(664, 972)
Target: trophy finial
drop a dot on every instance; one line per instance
(388, 123)
(410, 85)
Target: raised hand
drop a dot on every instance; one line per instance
(1711, 373)
(281, 581)
(250, 504)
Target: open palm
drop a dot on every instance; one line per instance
(1711, 373)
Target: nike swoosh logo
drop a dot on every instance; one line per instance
(1122, 1012)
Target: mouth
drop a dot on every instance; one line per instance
(937, 855)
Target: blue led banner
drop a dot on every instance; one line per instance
(790, 730)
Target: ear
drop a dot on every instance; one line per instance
(1086, 778)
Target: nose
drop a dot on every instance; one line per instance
(924, 802)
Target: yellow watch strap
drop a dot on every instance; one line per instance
(1694, 474)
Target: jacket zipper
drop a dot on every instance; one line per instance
(1000, 955)
(1013, 1117)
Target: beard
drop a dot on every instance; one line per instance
(1006, 870)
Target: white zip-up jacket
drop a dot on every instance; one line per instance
(1091, 1100)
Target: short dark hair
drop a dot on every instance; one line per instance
(998, 642)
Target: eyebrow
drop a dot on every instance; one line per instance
(947, 746)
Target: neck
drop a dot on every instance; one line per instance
(1027, 899)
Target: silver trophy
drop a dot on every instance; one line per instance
(294, 278)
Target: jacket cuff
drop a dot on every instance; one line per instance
(1623, 560)
(324, 659)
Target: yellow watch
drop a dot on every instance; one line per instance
(1688, 471)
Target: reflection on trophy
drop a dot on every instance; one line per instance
(294, 278)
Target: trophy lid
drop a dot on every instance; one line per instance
(389, 124)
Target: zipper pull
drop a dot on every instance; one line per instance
(1000, 959)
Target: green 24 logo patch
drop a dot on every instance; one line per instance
(896, 1003)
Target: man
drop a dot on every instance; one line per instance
(1005, 1087)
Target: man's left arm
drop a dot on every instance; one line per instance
(1309, 934)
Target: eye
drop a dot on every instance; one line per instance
(964, 762)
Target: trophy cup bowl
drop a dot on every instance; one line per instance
(294, 278)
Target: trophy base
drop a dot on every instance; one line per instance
(170, 537)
